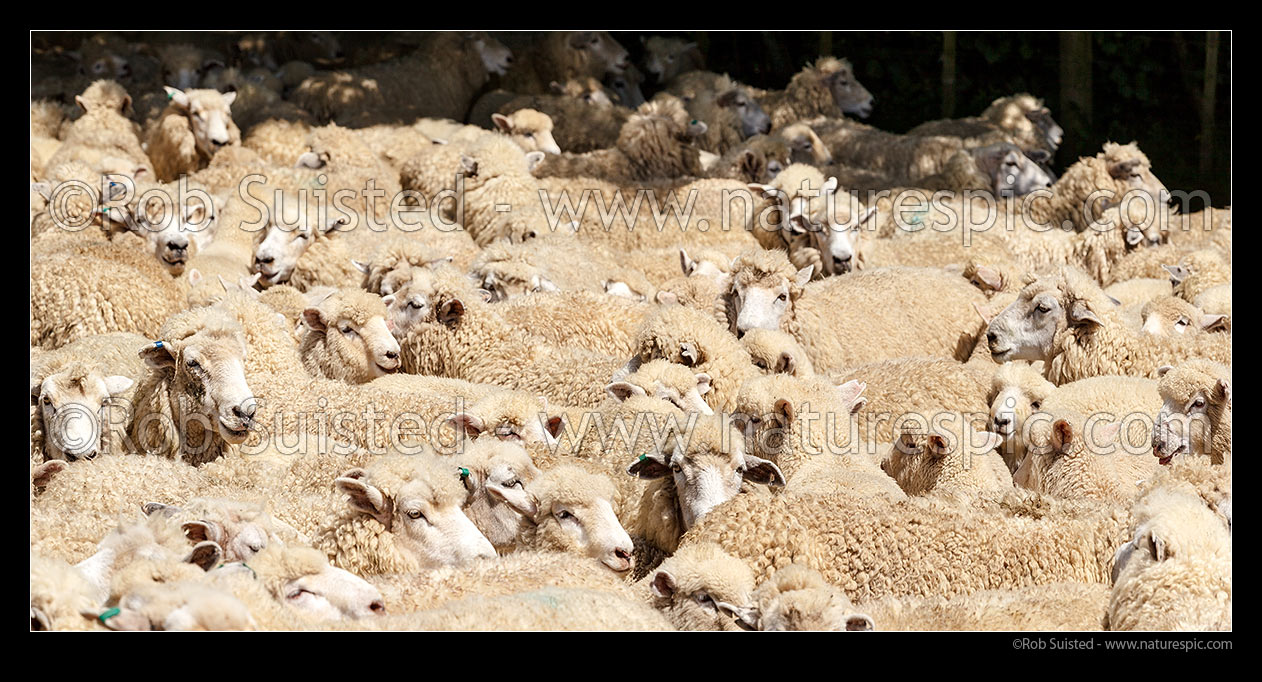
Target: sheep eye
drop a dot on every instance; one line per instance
(1182, 322)
(782, 298)
(1042, 308)
(347, 330)
(1036, 404)
(303, 235)
(1199, 402)
(530, 136)
(676, 468)
(562, 514)
(297, 593)
(415, 514)
(760, 364)
(47, 401)
(193, 364)
(414, 305)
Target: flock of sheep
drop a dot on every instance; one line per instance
(420, 332)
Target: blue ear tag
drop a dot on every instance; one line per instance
(157, 344)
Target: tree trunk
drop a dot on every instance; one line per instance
(1075, 92)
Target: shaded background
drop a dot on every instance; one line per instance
(1147, 87)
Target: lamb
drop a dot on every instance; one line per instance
(779, 414)
(730, 114)
(563, 55)
(1017, 390)
(194, 401)
(1175, 572)
(1058, 606)
(71, 386)
(655, 143)
(694, 472)
(694, 339)
(950, 457)
(1075, 457)
(1195, 415)
(584, 117)
(826, 88)
(862, 546)
(701, 587)
(404, 514)
(1021, 118)
(775, 352)
(450, 69)
(1065, 320)
(193, 127)
(506, 468)
(768, 303)
(1173, 315)
(797, 598)
(347, 337)
(666, 58)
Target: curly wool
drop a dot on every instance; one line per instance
(775, 352)
(1055, 607)
(1086, 467)
(806, 95)
(718, 353)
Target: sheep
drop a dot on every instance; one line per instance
(184, 65)
(1139, 290)
(768, 302)
(1149, 262)
(1001, 168)
(104, 138)
(666, 58)
(1066, 320)
(675, 384)
(657, 142)
(583, 116)
(597, 322)
(71, 387)
(1057, 607)
(701, 587)
(397, 262)
(1022, 118)
(96, 289)
(507, 468)
(759, 159)
(1175, 571)
(403, 515)
(775, 352)
(177, 606)
(549, 263)
(903, 158)
(280, 48)
(696, 470)
(192, 129)
(694, 339)
(1198, 272)
(798, 598)
(826, 88)
(1017, 390)
(241, 529)
(1195, 415)
(563, 55)
(549, 608)
(59, 596)
(868, 547)
(730, 114)
(1070, 455)
(949, 457)
(779, 414)
(347, 337)
(301, 246)
(1173, 315)
(193, 402)
(450, 69)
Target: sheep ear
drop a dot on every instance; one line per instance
(116, 384)
(451, 312)
(194, 277)
(467, 424)
(663, 585)
(43, 473)
(830, 185)
(784, 408)
(1062, 435)
(1134, 236)
(649, 466)
(468, 166)
(552, 426)
(703, 383)
(363, 268)
(990, 277)
(688, 351)
(177, 97)
(764, 191)
(1222, 391)
(501, 121)
(521, 501)
(366, 498)
(804, 275)
(1213, 322)
(1177, 273)
(1157, 545)
(45, 189)
(1080, 314)
(83, 104)
(849, 393)
(759, 470)
(151, 508)
(859, 622)
(533, 159)
(667, 298)
(685, 263)
(938, 446)
(312, 317)
(159, 355)
(786, 364)
(229, 97)
(206, 555)
(1161, 371)
(622, 390)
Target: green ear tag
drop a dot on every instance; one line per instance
(643, 457)
(108, 614)
(464, 473)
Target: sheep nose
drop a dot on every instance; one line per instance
(622, 554)
(378, 607)
(392, 354)
(245, 411)
(260, 260)
(179, 248)
(1001, 420)
(508, 59)
(218, 143)
(992, 338)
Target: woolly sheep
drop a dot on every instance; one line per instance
(951, 456)
(1168, 315)
(1195, 415)
(826, 88)
(562, 55)
(507, 468)
(1016, 391)
(666, 58)
(1058, 606)
(1022, 118)
(797, 598)
(775, 352)
(347, 337)
(701, 587)
(194, 126)
(1065, 320)
(1072, 456)
(694, 339)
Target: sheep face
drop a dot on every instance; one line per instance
(176, 232)
(504, 286)
(1136, 174)
(333, 594)
(1025, 330)
(1185, 423)
(1011, 172)
(754, 120)
(588, 90)
(706, 472)
(805, 146)
(411, 306)
(665, 57)
(661, 388)
(427, 524)
(287, 237)
(704, 589)
(763, 304)
(496, 57)
(530, 129)
(206, 372)
(1053, 134)
(1010, 406)
(509, 417)
(209, 117)
(1172, 315)
(601, 51)
(570, 510)
(507, 473)
(356, 335)
(70, 402)
(849, 94)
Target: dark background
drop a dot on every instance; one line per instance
(1146, 87)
